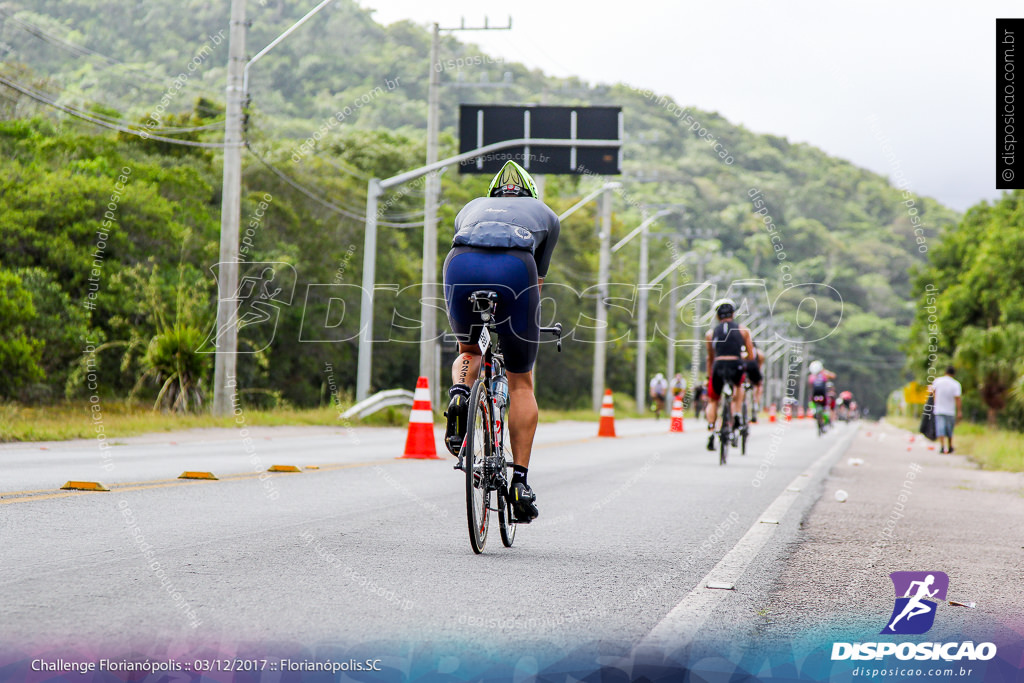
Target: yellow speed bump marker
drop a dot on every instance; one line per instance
(84, 486)
(284, 468)
(312, 467)
(188, 474)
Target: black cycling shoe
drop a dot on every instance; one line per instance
(711, 441)
(458, 411)
(522, 499)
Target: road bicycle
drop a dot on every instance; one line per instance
(727, 433)
(819, 414)
(483, 457)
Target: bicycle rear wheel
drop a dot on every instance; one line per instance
(505, 523)
(744, 428)
(724, 436)
(478, 450)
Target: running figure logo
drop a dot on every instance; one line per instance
(917, 596)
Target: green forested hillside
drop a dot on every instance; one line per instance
(839, 225)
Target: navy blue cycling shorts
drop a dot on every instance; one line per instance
(512, 273)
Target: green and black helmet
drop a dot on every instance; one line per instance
(512, 181)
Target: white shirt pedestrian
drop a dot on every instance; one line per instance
(946, 391)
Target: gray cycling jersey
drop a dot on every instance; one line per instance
(509, 223)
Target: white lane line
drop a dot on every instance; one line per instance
(682, 624)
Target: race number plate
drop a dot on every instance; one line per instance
(485, 340)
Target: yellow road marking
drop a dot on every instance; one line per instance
(26, 496)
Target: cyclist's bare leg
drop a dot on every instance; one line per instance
(467, 365)
(737, 400)
(522, 416)
(712, 411)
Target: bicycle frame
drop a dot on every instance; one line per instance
(487, 471)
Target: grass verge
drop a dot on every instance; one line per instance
(74, 420)
(993, 449)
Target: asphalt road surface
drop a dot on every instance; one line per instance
(370, 554)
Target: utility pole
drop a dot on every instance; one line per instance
(226, 336)
(226, 333)
(807, 349)
(641, 322)
(601, 316)
(643, 230)
(697, 336)
(428, 316)
(670, 351)
(429, 367)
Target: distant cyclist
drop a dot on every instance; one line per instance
(755, 377)
(503, 242)
(726, 342)
(658, 391)
(830, 399)
(819, 379)
(678, 386)
(843, 403)
(699, 391)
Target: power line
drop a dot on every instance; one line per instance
(124, 122)
(345, 168)
(81, 51)
(326, 203)
(25, 90)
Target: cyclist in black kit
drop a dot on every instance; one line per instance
(503, 242)
(725, 344)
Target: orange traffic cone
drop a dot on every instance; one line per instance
(800, 413)
(607, 425)
(677, 416)
(419, 443)
(771, 413)
(788, 410)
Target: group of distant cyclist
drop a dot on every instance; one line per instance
(501, 251)
(734, 363)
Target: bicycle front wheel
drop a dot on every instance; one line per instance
(479, 446)
(505, 523)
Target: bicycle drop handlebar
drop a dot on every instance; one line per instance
(555, 330)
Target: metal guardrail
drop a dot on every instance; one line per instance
(380, 400)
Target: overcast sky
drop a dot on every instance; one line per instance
(812, 71)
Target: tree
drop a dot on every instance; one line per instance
(991, 364)
(19, 353)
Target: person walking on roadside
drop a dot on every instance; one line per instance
(948, 408)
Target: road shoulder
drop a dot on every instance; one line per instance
(909, 508)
